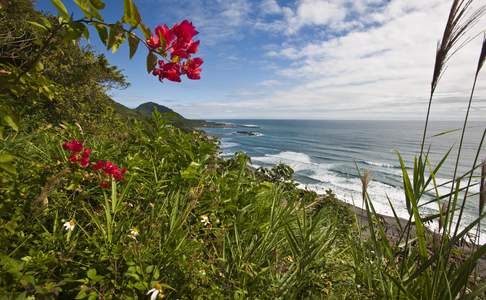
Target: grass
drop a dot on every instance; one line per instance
(187, 224)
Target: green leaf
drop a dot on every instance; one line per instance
(94, 11)
(446, 132)
(151, 61)
(85, 32)
(145, 30)
(102, 33)
(9, 168)
(6, 158)
(131, 14)
(61, 8)
(119, 39)
(10, 122)
(99, 4)
(91, 274)
(127, 13)
(84, 7)
(133, 42)
(38, 26)
(412, 203)
(116, 37)
(191, 172)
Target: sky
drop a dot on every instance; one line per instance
(305, 59)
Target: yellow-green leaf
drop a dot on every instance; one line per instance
(61, 8)
(145, 30)
(119, 39)
(133, 42)
(131, 14)
(10, 122)
(9, 168)
(6, 158)
(38, 26)
(99, 4)
(84, 7)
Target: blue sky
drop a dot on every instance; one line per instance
(303, 59)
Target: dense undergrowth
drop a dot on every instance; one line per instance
(258, 241)
(182, 223)
(182, 220)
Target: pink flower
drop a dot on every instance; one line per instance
(99, 165)
(171, 71)
(73, 146)
(193, 47)
(163, 32)
(178, 42)
(185, 31)
(118, 174)
(153, 42)
(73, 158)
(192, 68)
(86, 152)
(84, 162)
(108, 168)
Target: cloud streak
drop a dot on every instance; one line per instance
(337, 59)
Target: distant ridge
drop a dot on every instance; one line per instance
(146, 109)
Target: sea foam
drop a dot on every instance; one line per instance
(349, 188)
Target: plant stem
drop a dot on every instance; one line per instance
(469, 182)
(459, 152)
(426, 123)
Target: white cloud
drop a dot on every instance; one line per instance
(374, 59)
(216, 20)
(317, 12)
(383, 71)
(270, 7)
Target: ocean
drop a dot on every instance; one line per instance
(326, 154)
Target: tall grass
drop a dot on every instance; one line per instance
(421, 264)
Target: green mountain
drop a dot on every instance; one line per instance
(173, 117)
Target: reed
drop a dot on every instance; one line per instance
(482, 195)
(411, 269)
(461, 19)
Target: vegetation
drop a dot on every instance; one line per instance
(173, 117)
(181, 222)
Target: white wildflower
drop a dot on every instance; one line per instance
(205, 220)
(134, 233)
(69, 226)
(156, 291)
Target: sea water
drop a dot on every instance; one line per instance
(327, 155)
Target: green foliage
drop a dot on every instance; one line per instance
(257, 240)
(184, 221)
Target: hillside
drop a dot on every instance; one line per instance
(100, 201)
(173, 117)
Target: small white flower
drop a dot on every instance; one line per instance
(69, 226)
(205, 220)
(155, 291)
(134, 233)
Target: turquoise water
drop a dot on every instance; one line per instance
(324, 155)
